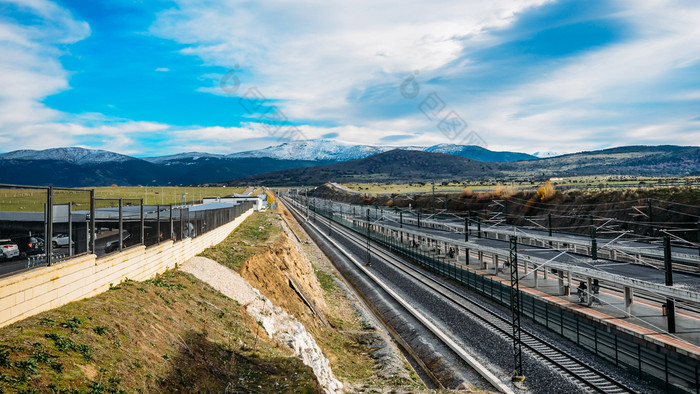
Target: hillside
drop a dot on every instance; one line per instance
(395, 166)
(78, 167)
(416, 166)
(664, 160)
(176, 333)
(478, 153)
(335, 151)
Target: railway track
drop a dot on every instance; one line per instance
(585, 376)
(402, 303)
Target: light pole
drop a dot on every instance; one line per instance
(183, 198)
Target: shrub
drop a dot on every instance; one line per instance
(467, 193)
(545, 192)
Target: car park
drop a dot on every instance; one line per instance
(60, 240)
(113, 246)
(28, 245)
(8, 249)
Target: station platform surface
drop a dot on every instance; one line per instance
(646, 319)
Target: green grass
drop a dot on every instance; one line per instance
(248, 239)
(326, 280)
(166, 195)
(33, 200)
(128, 340)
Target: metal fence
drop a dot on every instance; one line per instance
(674, 372)
(77, 223)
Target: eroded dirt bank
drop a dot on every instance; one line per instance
(297, 278)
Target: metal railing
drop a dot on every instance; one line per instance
(56, 224)
(666, 368)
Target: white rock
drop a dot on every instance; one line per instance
(277, 323)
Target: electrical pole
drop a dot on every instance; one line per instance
(466, 229)
(330, 218)
(651, 219)
(433, 202)
(515, 311)
(369, 255)
(594, 244)
(506, 209)
(478, 226)
(670, 304)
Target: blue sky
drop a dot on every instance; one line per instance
(161, 77)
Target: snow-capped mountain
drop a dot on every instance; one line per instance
(73, 155)
(181, 156)
(328, 150)
(545, 155)
(475, 152)
(316, 150)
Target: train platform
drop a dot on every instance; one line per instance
(641, 318)
(646, 320)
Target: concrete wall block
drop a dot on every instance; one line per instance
(41, 289)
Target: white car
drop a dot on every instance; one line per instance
(60, 240)
(8, 249)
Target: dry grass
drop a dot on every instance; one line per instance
(251, 237)
(173, 333)
(546, 192)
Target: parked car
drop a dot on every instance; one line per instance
(112, 246)
(8, 249)
(28, 245)
(60, 240)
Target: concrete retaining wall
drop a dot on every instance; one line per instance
(38, 290)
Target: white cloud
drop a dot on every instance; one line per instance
(598, 99)
(311, 54)
(30, 70)
(316, 57)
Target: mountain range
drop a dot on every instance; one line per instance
(334, 151)
(75, 167)
(317, 161)
(413, 166)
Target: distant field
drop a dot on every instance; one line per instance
(564, 183)
(166, 195)
(33, 200)
(373, 188)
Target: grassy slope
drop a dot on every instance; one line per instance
(343, 343)
(176, 333)
(173, 333)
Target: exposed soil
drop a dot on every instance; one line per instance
(170, 334)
